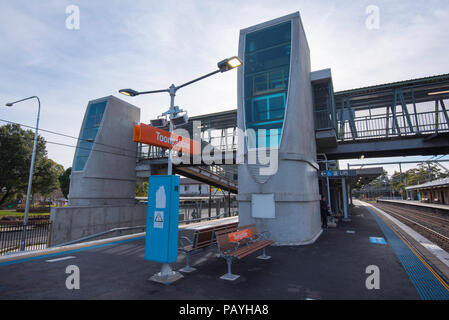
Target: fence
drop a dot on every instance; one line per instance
(381, 126)
(37, 235)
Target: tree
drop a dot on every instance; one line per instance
(64, 182)
(16, 147)
(397, 183)
(381, 181)
(421, 174)
(142, 189)
(45, 177)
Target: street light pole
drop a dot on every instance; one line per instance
(30, 177)
(223, 66)
(172, 91)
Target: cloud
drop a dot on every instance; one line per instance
(151, 44)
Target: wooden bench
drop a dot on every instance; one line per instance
(201, 240)
(236, 245)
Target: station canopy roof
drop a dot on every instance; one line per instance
(415, 91)
(366, 175)
(431, 185)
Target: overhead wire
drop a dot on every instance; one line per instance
(76, 146)
(66, 135)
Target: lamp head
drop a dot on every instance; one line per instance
(180, 120)
(230, 63)
(159, 122)
(129, 92)
(9, 104)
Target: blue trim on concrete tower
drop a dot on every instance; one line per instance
(91, 124)
(266, 79)
(428, 287)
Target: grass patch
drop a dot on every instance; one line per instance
(13, 213)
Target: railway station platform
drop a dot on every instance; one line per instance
(433, 207)
(333, 268)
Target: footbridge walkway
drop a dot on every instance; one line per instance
(395, 119)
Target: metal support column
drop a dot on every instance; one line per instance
(328, 187)
(350, 192)
(405, 113)
(443, 107)
(437, 118)
(395, 123)
(218, 207)
(414, 110)
(346, 105)
(229, 276)
(387, 121)
(350, 188)
(345, 200)
(406, 184)
(229, 202)
(210, 201)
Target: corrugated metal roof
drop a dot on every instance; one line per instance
(431, 184)
(396, 83)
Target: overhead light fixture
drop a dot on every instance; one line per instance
(159, 123)
(180, 120)
(230, 63)
(129, 92)
(437, 93)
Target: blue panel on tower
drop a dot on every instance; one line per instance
(161, 243)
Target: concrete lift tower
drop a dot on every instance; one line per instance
(275, 109)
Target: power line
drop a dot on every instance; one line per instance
(91, 149)
(66, 135)
(79, 147)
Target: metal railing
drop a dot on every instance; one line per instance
(223, 171)
(150, 152)
(381, 126)
(226, 171)
(220, 216)
(120, 230)
(323, 120)
(38, 235)
(101, 234)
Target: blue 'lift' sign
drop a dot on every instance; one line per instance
(338, 173)
(161, 242)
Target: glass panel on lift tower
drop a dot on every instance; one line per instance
(267, 67)
(88, 134)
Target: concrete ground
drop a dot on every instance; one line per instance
(332, 268)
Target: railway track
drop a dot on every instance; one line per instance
(435, 228)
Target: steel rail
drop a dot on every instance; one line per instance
(433, 232)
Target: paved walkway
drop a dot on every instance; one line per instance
(334, 267)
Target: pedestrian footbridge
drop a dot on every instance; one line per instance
(395, 119)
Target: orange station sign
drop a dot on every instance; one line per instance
(153, 136)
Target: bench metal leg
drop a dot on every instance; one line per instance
(187, 268)
(264, 256)
(229, 276)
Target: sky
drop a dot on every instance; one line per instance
(148, 45)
